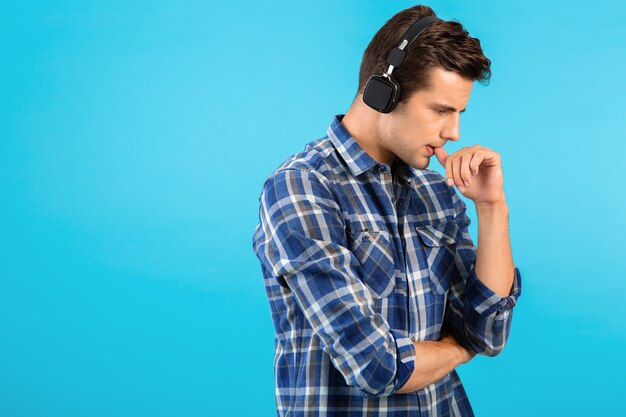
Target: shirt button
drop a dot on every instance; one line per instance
(365, 237)
(393, 200)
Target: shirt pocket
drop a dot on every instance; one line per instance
(374, 250)
(439, 242)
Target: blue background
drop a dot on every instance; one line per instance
(134, 140)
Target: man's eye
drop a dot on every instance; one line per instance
(440, 111)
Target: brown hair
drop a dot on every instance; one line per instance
(443, 44)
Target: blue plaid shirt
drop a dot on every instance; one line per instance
(359, 259)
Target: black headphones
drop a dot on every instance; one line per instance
(382, 92)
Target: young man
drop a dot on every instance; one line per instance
(377, 292)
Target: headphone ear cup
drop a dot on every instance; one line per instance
(381, 93)
(397, 92)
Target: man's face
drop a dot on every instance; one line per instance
(430, 117)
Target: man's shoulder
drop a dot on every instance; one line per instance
(317, 157)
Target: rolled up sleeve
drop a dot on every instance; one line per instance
(301, 240)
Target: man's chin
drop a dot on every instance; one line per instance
(421, 163)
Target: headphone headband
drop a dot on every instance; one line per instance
(397, 54)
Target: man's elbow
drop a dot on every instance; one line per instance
(493, 350)
(487, 347)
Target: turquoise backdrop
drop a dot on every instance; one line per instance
(134, 140)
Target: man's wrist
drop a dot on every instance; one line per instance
(500, 207)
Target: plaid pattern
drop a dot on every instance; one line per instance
(358, 259)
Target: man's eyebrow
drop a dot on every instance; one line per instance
(446, 107)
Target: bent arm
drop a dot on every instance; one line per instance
(485, 284)
(301, 240)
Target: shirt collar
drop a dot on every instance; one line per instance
(355, 156)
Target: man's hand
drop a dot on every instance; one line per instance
(464, 354)
(476, 171)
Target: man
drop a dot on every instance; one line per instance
(377, 292)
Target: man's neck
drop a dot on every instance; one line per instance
(362, 124)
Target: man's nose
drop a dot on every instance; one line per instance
(452, 128)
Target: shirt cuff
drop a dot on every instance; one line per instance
(484, 301)
(405, 362)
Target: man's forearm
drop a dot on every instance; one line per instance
(494, 261)
(433, 361)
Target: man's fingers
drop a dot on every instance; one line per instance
(449, 171)
(466, 174)
(460, 166)
(441, 155)
(447, 162)
(456, 171)
(474, 164)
